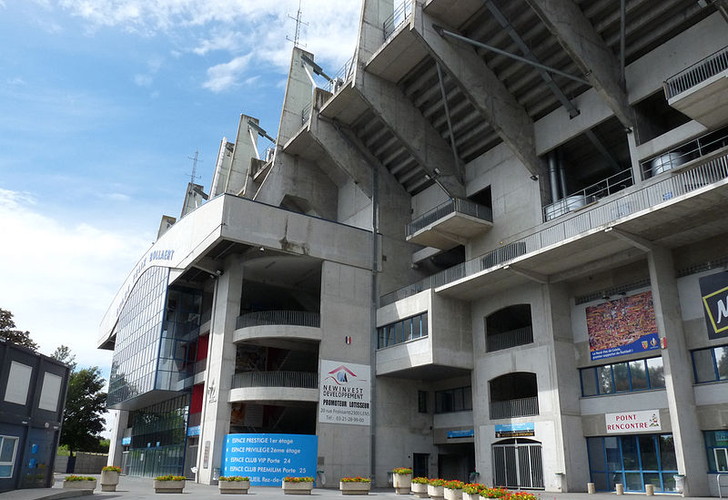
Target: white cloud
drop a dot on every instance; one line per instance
(58, 279)
(225, 76)
(143, 80)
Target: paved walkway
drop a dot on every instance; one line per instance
(141, 488)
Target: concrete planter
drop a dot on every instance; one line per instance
(168, 486)
(109, 480)
(354, 488)
(471, 496)
(420, 490)
(453, 494)
(435, 491)
(233, 487)
(402, 483)
(79, 485)
(297, 488)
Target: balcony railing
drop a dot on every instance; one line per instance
(712, 170)
(303, 380)
(453, 205)
(524, 407)
(345, 73)
(506, 340)
(697, 73)
(589, 194)
(684, 153)
(292, 318)
(306, 114)
(397, 19)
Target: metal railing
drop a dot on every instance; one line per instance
(397, 19)
(605, 187)
(684, 153)
(345, 73)
(453, 205)
(506, 340)
(523, 407)
(294, 318)
(306, 113)
(607, 211)
(697, 73)
(304, 380)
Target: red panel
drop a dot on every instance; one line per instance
(198, 391)
(202, 345)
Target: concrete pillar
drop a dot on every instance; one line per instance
(689, 444)
(215, 422)
(299, 94)
(115, 447)
(371, 33)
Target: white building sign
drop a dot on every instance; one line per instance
(633, 421)
(345, 396)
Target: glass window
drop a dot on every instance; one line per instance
(638, 375)
(402, 331)
(648, 454)
(703, 365)
(8, 448)
(621, 377)
(450, 400)
(604, 373)
(630, 457)
(589, 382)
(721, 362)
(667, 452)
(716, 444)
(51, 392)
(422, 401)
(655, 371)
(18, 383)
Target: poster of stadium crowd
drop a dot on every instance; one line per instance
(622, 326)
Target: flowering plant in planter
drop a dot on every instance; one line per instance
(290, 479)
(356, 479)
(454, 484)
(472, 488)
(420, 480)
(520, 495)
(494, 493)
(170, 477)
(436, 482)
(72, 479)
(401, 470)
(111, 468)
(234, 478)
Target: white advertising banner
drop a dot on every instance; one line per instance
(345, 396)
(633, 421)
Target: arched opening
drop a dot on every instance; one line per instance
(513, 395)
(509, 327)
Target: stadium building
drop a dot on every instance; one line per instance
(492, 247)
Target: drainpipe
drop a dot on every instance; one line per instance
(553, 178)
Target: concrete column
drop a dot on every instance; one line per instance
(371, 33)
(634, 158)
(215, 422)
(299, 94)
(689, 444)
(115, 447)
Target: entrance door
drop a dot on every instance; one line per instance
(721, 459)
(517, 464)
(419, 464)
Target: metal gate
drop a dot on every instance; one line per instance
(517, 464)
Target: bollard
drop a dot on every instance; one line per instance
(620, 488)
(590, 488)
(649, 490)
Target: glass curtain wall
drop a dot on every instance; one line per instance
(158, 438)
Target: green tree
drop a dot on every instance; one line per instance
(9, 334)
(63, 354)
(83, 418)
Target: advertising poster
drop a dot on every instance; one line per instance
(515, 430)
(622, 326)
(345, 396)
(714, 291)
(267, 458)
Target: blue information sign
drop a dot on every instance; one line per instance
(267, 458)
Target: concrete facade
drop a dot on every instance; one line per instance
(522, 252)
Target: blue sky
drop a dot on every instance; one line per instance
(102, 104)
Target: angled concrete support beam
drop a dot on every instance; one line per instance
(342, 152)
(486, 92)
(420, 138)
(636, 241)
(586, 47)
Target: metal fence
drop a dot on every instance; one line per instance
(294, 318)
(623, 204)
(697, 73)
(345, 73)
(453, 205)
(506, 340)
(304, 380)
(397, 19)
(523, 407)
(679, 155)
(605, 187)
(306, 113)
